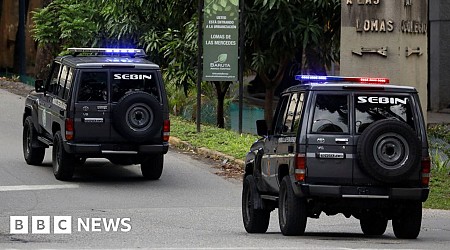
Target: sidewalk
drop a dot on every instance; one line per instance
(438, 117)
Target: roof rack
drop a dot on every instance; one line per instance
(108, 51)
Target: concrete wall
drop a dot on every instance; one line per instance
(391, 29)
(439, 54)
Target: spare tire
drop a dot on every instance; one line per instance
(138, 117)
(389, 150)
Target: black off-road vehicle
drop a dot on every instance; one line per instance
(336, 146)
(98, 103)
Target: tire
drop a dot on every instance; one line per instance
(292, 212)
(152, 167)
(33, 155)
(63, 162)
(407, 224)
(138, 117)
(373, 225)
(255, 220)
(389, 151)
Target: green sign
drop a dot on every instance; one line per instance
(220, 40)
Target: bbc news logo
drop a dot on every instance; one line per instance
(63, 225)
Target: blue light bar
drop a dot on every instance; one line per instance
(367, 80)
(126, 51)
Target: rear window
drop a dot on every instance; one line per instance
(371, 108)
(330, 114)
(126, 82)
(93, 87)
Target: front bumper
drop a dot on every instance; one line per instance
(98, 150)
(361, 192)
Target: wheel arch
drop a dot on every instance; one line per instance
(283, 170)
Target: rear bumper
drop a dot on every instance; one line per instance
(115, 149)
(361, 192)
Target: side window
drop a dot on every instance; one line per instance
(62, 81)
(330, 114)
(53, 81)
(290, 114)
(279, 122)
(68, 84)
(298, 113)
(93, 87)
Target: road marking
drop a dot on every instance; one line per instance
(36, 187)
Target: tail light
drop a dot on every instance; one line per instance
(69, 129)
(166, 130)
(426, 168)
(300, 167)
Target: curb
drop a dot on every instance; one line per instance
(208, 153)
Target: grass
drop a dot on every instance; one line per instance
(439, 190)
(225, 141)
(237, 145)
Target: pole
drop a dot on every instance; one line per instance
(21, 38)
(241, 62)
(200, 63)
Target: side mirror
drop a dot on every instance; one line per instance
(39, 85)
(261, 128)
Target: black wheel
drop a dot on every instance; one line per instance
(292, 212)
(63, 162)
(152, 167)
(138, 116)
(33, 154)
(389, 150)
(407, 224)
(373, 224)
(255, 220)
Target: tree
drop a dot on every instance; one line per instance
(59, 25)
(278, 31)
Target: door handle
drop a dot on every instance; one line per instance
(341, 140)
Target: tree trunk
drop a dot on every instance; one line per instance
(315, 64)
(268, 107)
(221, 90)
(44, 55)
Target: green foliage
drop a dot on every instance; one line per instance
(440, 131)
(69, 23)
(440, 163)
(277, 29)
(439, 190)
(225, 141)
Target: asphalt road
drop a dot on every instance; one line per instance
(190, 207)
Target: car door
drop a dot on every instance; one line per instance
(46, 102)
(92, 108)
(330, 144)
(269, 161)
(287, 133)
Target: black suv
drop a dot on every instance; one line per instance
(336, 146)
(98, 103)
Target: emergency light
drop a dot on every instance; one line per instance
(126, 52)
(368, 80)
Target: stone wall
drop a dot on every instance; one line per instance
(439, 55)
(386, 38)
